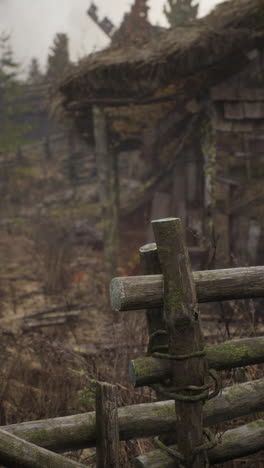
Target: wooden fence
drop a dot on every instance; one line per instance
(178, 366)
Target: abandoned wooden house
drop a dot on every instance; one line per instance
(185, 113)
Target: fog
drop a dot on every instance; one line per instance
(32, 24)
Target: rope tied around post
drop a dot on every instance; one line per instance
(211, 443)
(176, 393)
(172, 392)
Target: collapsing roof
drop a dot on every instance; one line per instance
(164, 85)
(189, 58)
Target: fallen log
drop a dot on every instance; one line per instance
(49, 320)
(235, 443)
(228, 355)
(64, 308)
(28, 325)
(137, 421)
(146, 292)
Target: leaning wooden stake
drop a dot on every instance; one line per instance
(107, 428)
(185, 337)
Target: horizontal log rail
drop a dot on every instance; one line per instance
(15, 452)
(146, 292)
(224, 356)
(235, 443)
(137, 421)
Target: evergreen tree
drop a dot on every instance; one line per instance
(58, 59)
(12, 132)
(180, 12)
(34, 75)
(8, 67)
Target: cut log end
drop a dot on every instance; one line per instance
(148, 248)
(147, 291)
(165, 220)
(117, 294)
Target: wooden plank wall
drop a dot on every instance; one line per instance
(239, 125)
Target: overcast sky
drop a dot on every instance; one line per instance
(32, 24)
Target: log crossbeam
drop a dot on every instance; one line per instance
(144, 420)
(224, 356)
(235, 443)
(15, 452)
(147, 292)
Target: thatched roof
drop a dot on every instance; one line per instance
(195, 57)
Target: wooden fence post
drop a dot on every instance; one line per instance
(107, 427)
(186, 346)
(151, 266)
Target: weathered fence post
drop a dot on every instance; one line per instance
(151, 266)
(107, 428)
(186, 347)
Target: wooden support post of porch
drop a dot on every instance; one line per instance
(108, 187)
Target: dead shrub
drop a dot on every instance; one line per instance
(39, 381)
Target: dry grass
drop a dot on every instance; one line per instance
(44, 376)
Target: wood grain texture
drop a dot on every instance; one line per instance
(15, 452)
(136, 421)
(146, 292)
(151, 265)
(183, 325)
(235, 443)
(107, 429)
(224, 356)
